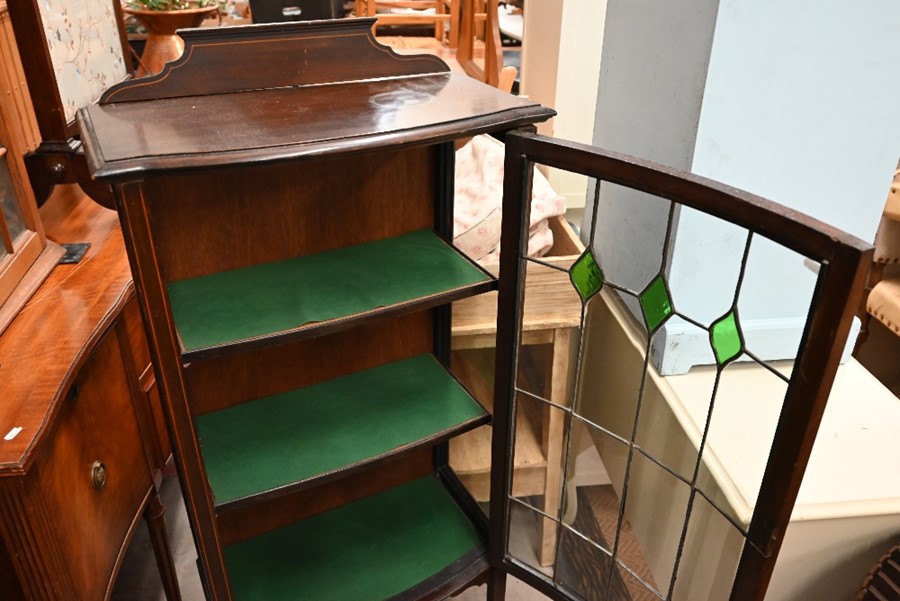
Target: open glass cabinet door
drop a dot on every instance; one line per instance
(695, 475)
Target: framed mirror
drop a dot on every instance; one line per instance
(26, 256)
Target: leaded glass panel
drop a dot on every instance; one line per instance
(586, 569)
(587, 277)
(541, 431)
(774, 276)
(705, 265)
(725, 336)
(609, 390)
(680, 449)
(655, 303)
(593, 509)
(660, 433)
(525, 525)
(709, 559)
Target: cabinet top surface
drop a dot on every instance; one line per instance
(277, 124)
(269, 93)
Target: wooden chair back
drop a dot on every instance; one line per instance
(417, 13)
(881, 299)
(483, 58)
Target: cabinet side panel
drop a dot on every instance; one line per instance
(303, 208)
(220, 383)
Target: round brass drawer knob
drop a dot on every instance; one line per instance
(98, 474)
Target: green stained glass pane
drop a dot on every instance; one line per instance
(586, 275)
(726, 338)
(656, 303)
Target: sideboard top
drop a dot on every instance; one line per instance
(287, 92)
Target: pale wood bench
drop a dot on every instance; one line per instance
(552, 317)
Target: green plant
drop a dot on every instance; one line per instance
(172, 4)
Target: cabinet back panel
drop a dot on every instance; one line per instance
(219, 383)
(303, 208)
(240, 524)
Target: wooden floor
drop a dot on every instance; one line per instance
(604, 504)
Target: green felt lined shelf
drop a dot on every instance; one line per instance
(225, 308)
(368, 550)
(286, 439)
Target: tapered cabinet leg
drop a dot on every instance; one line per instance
(155, 515)
(496, 588)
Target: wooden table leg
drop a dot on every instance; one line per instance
(154, 515)
(553, 441)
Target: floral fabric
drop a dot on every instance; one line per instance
(85, 49)
(479, 195)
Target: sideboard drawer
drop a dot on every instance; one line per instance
(93, 474)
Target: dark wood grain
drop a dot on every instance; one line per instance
(9, 582)
(510, 309)
(165, 349)
(367, 116)
(220, 383)
(242, 523)
(224, 60)
(373, 100)
(784, 225)
(467, 571)
(303, 208)
(838, 290)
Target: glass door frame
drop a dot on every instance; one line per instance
(843, 261)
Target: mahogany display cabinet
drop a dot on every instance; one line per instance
(286, 196)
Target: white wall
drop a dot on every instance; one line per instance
(652, 77)
(540, 55)
(797, 102)
(580, 46)
(560, 69)
(804, 109)
(802, 105)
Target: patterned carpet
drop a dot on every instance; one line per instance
(586, 570)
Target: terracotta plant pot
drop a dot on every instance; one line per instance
(163, 45)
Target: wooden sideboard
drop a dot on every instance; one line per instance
(75, 377)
